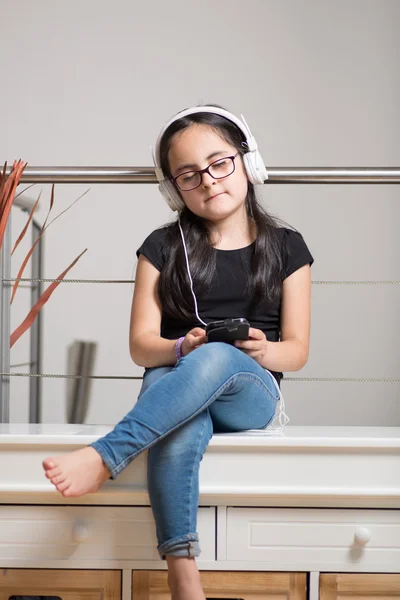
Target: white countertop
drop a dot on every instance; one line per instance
(303, 466)
(319, 436)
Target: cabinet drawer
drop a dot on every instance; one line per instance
(315, 539)
(86, 534)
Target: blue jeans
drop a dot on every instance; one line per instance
(216, 388)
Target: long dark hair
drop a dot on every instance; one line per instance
(265, 279)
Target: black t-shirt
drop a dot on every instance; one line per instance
(226, 297)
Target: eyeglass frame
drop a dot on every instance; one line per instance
(206, 170)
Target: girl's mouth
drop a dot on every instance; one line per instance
(212, 197)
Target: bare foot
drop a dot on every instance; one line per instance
(77, 473)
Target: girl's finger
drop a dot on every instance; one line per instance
(197, 331)
(248, 345)
(197, 341)
(255, 334)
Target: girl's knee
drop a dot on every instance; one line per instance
(211, 364)
(214, 354)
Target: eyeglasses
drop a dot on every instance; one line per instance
(218, 170)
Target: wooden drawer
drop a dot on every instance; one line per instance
(315, 539)
(83, 535)
(152, 585)
(336, 586)
(68, 585)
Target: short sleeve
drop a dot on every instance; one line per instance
(296, 252)
(153, 248)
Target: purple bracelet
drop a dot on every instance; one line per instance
(178, 348)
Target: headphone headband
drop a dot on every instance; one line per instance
(242, 125)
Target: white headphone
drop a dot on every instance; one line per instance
(253, 163)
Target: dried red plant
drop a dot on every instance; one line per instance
(8, 186)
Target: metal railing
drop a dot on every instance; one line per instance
(276, 175)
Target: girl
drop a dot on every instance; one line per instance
(227, 253)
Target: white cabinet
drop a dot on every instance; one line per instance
(84, 535)
(277, 512)
(315, 539)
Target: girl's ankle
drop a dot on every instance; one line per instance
(184, 579)
(187, 590)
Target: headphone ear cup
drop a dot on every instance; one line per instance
(255, 168)
(171, 195)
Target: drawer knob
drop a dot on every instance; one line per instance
(362, 536)
(80, 533)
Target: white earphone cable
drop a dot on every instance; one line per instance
(188, 271)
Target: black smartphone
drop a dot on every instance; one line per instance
(228, 330)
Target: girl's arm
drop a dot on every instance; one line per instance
(146, 347)
(291, 353)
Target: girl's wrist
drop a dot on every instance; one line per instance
(178, 349)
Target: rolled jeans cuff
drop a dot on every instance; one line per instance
(106, 459)
(186, 545)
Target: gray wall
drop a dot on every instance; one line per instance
(91, 83)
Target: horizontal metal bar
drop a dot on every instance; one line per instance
(21, 285)
(147, 175)
(302, 379)
(326, 282)
(62, 376)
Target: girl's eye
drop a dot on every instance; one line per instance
(188, 177)
(219, 164)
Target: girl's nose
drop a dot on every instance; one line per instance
(206, 178)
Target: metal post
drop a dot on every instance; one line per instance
(35, 330)
(5, 297)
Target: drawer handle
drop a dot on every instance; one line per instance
(362, 536)
(80, 533)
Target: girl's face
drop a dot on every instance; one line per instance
(214, 199)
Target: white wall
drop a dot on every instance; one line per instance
(92, 82)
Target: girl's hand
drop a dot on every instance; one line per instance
(256, 346)
(194, 339)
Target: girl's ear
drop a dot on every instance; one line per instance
(171, 195)
(255, 168)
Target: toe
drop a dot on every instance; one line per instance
(49, 463)
(58, 479)
(64, 485)
(54, 473)
(68, 492)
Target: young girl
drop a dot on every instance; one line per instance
(224, 257)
